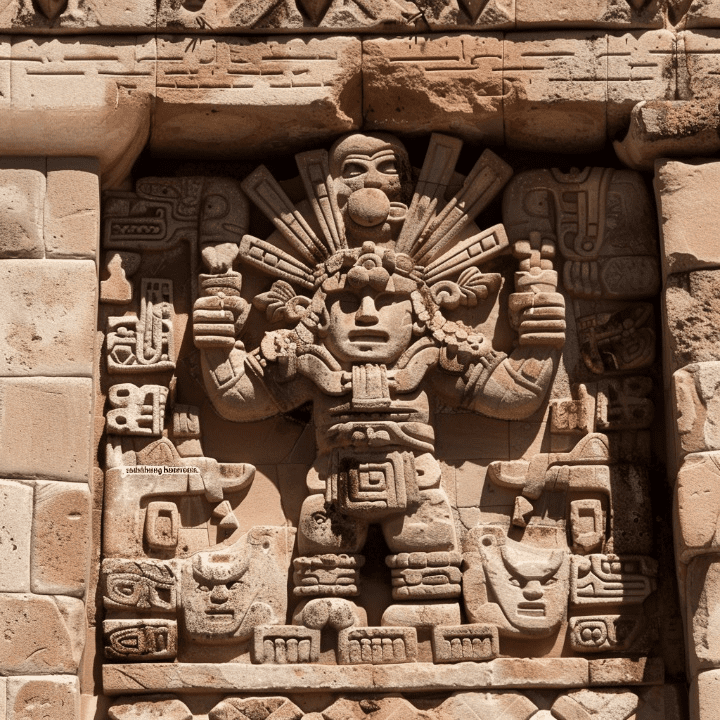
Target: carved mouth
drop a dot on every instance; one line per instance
(368, 336)
(531, 609)
(218, 614)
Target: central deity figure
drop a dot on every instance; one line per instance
(366, 272)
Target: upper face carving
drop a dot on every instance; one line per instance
(371, 174)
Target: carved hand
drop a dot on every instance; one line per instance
(217, 320)
(539, 318)
(219, 258)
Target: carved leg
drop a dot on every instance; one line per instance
(329, 543)
(427, 565)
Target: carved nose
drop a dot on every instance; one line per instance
(219, 594)
(373, 179)
(366, 314)
(533, 590)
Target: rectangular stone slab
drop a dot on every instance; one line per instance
(222, 96)
(451, 83)
(555, 91)
(48, 319)
(202, 677)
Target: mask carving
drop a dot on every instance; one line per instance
(525, 588)
(228, 593)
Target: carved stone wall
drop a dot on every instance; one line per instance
(362, 438)
(380, 383)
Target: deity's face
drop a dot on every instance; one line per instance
(529, 584)
(214, 599)
(379, 169)
(366, 325)
(371, 175)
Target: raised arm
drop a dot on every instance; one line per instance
(515, 386)
(236, 392)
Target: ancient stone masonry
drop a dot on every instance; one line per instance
(362, 440)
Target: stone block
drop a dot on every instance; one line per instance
(626, 671)
(492, 705)
(692, 318)
(698, 57)
(61, 539)
(72, 208)
(698, 505)
(46, 428)
(16, 502)
(106, 15)
(555, 91)
(688, 196)
(377, 646)
(40, 634)
(552, 672)
(37, 698)
(696, 411)
(705, 695)
(667, 129)
(610, 704)
(140, 640)
(595, 13)
(22, 193)
(450, 83)
(703, 612)
(149, 708)
(640, 65)
(220, 97)
(78, 97)
(703, 13)
(48, 322)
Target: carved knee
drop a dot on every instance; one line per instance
(323, 529)
(430, 526)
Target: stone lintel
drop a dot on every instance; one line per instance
(495, 674)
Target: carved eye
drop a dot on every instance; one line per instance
(386, 299)
(515, 582)
(319, 518)
(388, 167)
(353, 169)
(204, 588)
(550, 581)
(233, 586)
(349, 303)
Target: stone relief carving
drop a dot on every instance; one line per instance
(598, 704)
(397, 15)
(365, 309)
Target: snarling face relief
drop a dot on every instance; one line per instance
(217, 598)
(529, 584)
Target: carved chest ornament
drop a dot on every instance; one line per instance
(377, 302)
